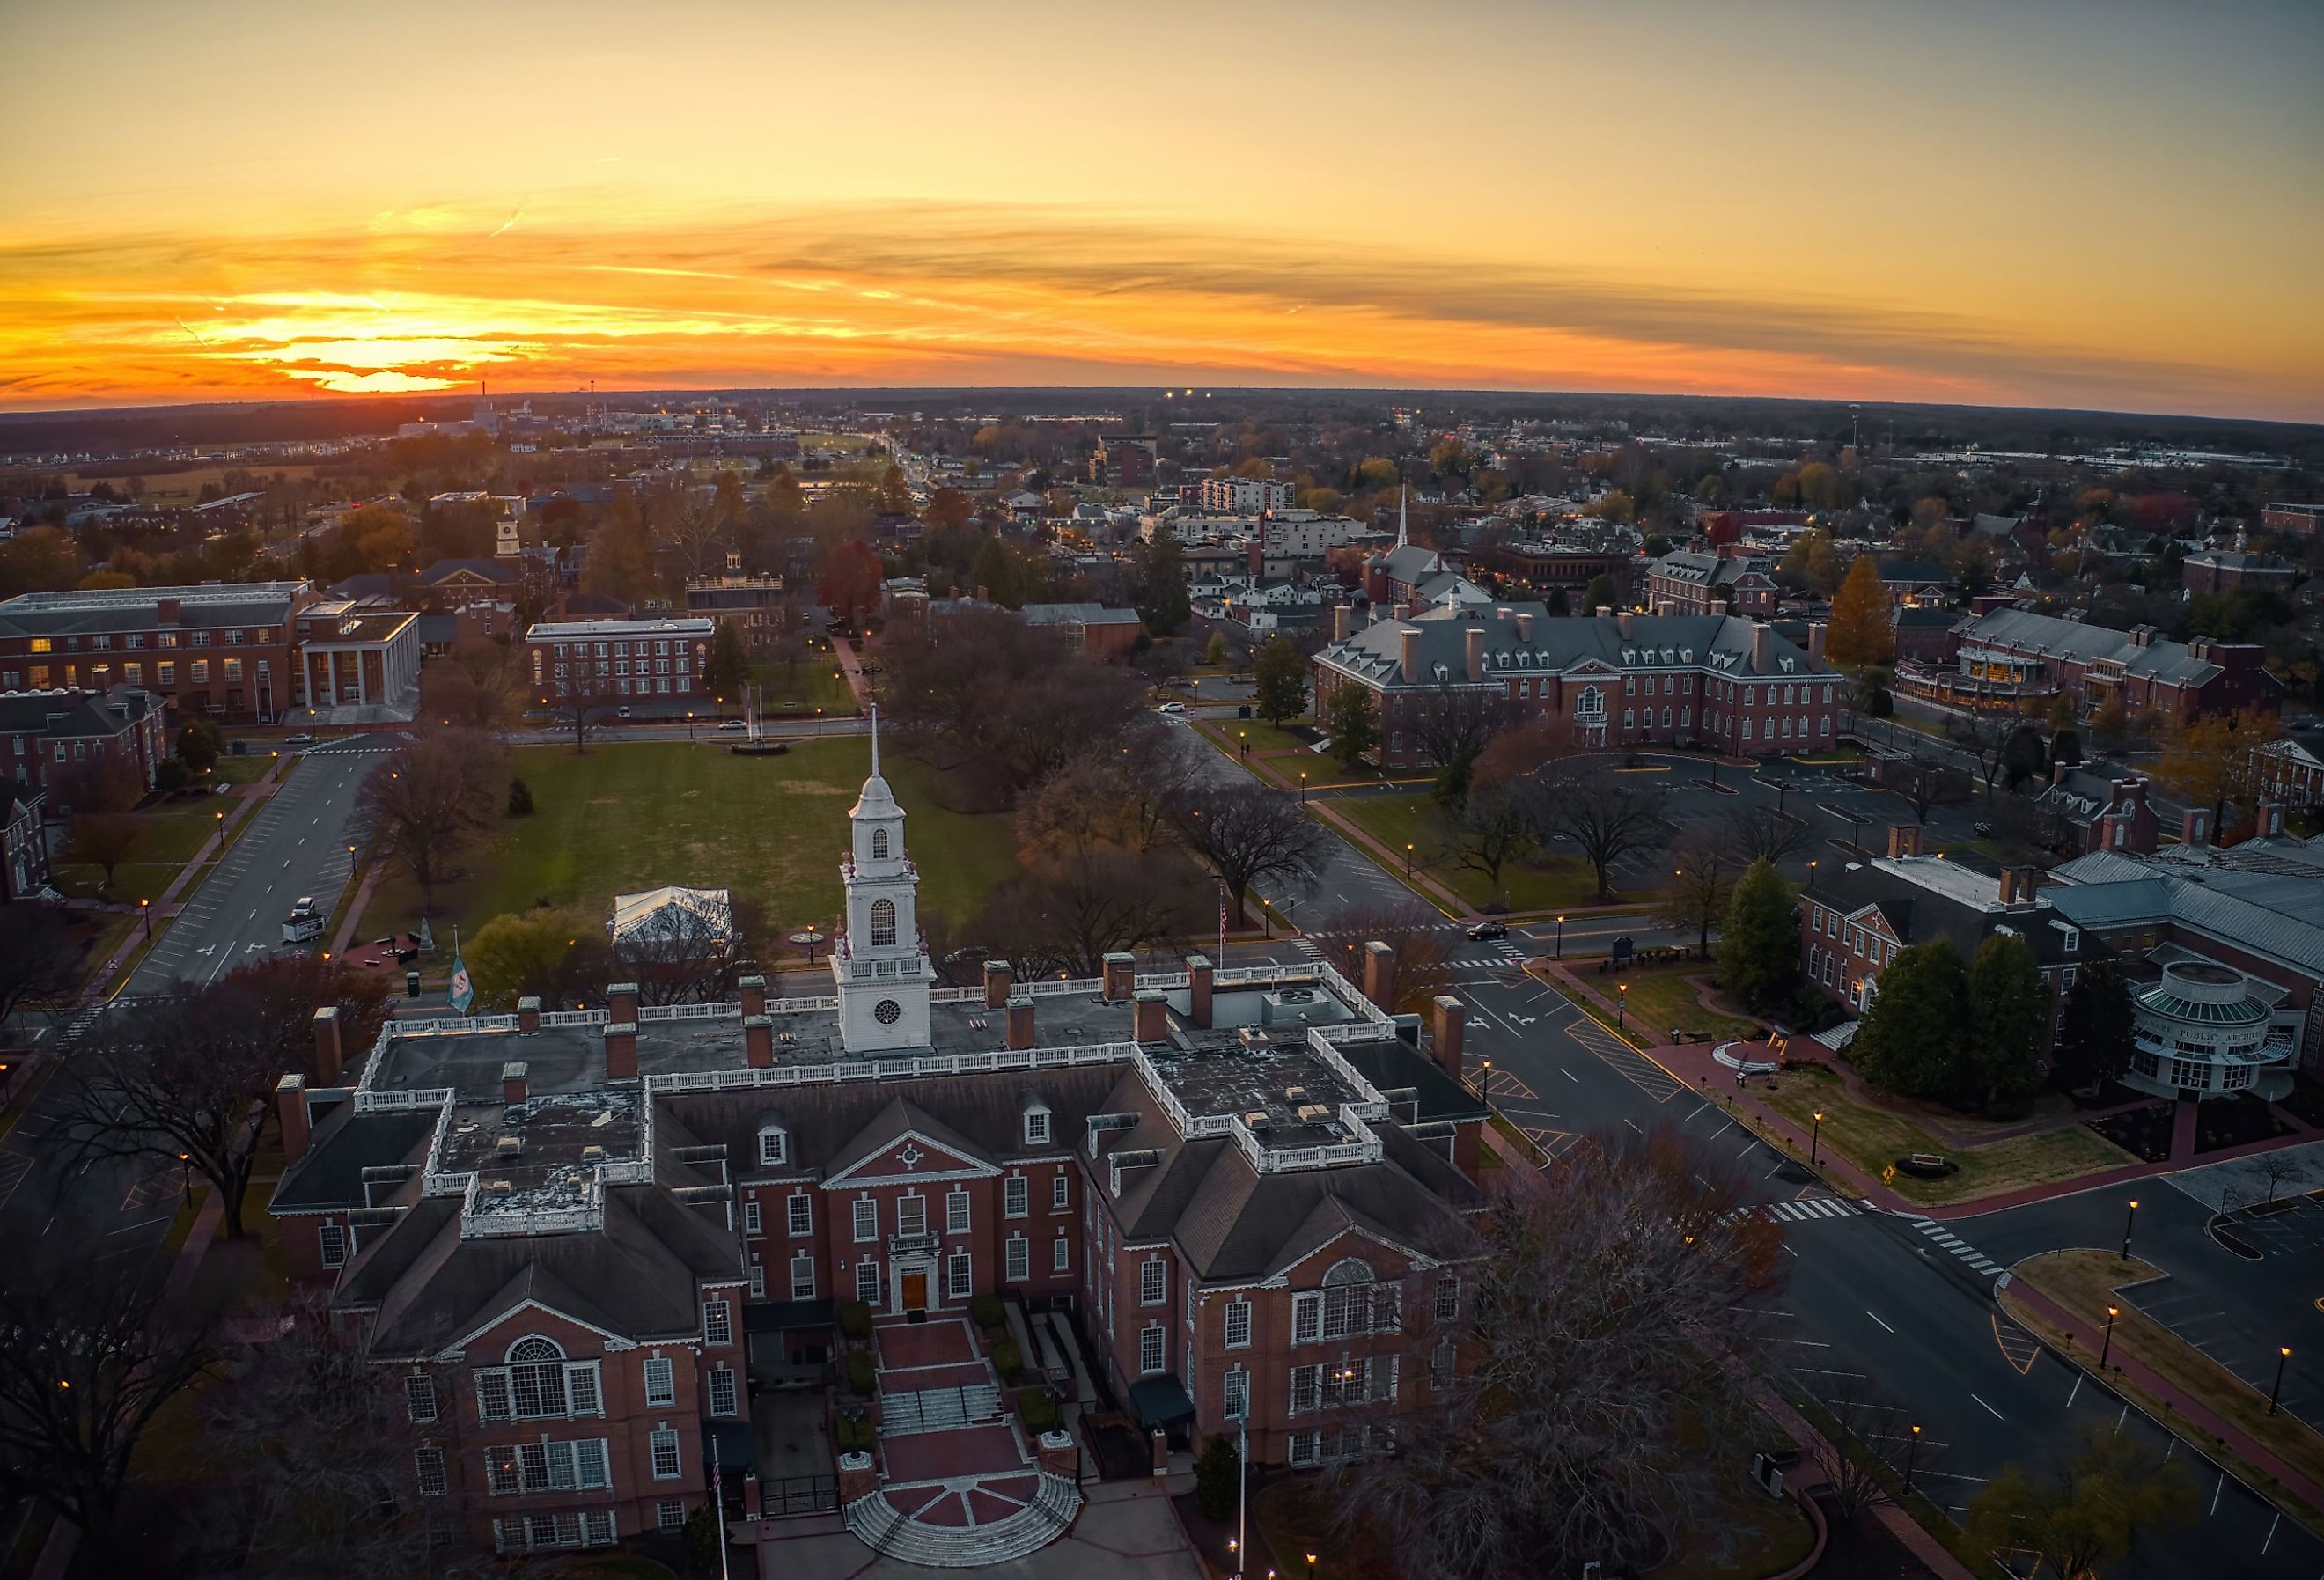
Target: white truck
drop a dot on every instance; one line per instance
(304, 925)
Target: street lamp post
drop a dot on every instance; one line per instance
(818, 723)
(1622, 1004)
(1815, 1138)
(2127, 1224)
(1561, 937)
(1407, 858)
(2106, 1345)
(1243, 737)
(1912, 1444)
(2283, 1353)
(689, 726)
(186, 1175)
(1302, 787)
(145, 909)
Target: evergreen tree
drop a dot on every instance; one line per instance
(1759, 945)
(1162, 586)
(1863, 626)
(996, 574)
(1559, 604)
(729, 668)
(1910, 1040)
(1353, 722)
(2009, 1019)
(2094, 1028)
(1281, 678)
(1218, 1471)
(1600, 596)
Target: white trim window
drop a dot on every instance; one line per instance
(428, 1465)
(669, 1514)
(1061, 1254)
(1018, 1265)
(912, 1215)
(1036, 1124)
(1150, 1346)
(668, 1464)
(1014, 1196)
(1237, 1399)
(758, 1282)
(1152, 1281)
(867, 1220)
(419, 1402)
(1061, 1189)
(331, 1239)
(960, 1277)
(751, 1216)
(1447, 1304)
(723, 1398)
(867, 1281)
(717, 1322)
(538, 1384)
(661, 1381)
(803, 1276)
(774, 1146)
(1238, 1324)
(543, 1466)
(956, 1211)
(801, 1219)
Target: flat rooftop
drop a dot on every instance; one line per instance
(1248, 1072)
(1963, 885)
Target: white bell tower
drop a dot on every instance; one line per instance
(880, 965)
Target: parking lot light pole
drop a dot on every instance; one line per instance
(1912, 1444)
(1407, 858)
(1815, 1138)
(1561, 937)
(2106, 1345)
(145, 909)
(2127, 1224)
(2283, 1353)
(1622, 1005)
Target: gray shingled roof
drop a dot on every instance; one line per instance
(331, 1174)
(1656, 641)
(1918, 913)
(2274, 913)
(2023, 630)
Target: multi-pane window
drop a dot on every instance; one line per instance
(803, 1277)
(722, 1390)
(750, 1218)
(420, 1398)
(429, 1464)
(548, 1467)
(538, 1381)
(1238, 1324)
(669, 1514)
(1149, 1349)
(867, 1219)
(911, 1214)
(956, 1211)
(1036, 1127)
(883, 923)
(1013, 1197)
(1061, 1254)
(758, 1282)
(1237, 1394)
(957, 1272)
(867, 1281)
(1447, 1305)
(661, 1381)
(333, 1239)
(666, 1465)
(802, 1217)
(1060, 1192)
(717, 1322)
(1018, 1253)
(1440, 1366)
(1153, 1279)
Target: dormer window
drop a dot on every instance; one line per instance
(878, 845)
(774, 1144)
(2073, 944)
(1037, 1124)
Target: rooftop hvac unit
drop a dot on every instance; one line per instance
(509, 1146)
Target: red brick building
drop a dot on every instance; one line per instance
(1692, 582)
(46, 736)
(661, 659)
(2013, 658)
(228, 652)
(1719, 682)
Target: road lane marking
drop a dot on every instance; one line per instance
(1996, 1414)
(1884, 1326)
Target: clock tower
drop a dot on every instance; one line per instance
(880, 965)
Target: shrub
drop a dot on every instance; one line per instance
(1005, 1358)
(703, 1537)
(1038, 1411)
(1216, 1470)
(860, 1372)
(855, 1434)
(170, 775)
(986, 1309)
(855, 1319)
(519, 801)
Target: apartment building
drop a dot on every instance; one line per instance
(1233, 494)
(1696, 582)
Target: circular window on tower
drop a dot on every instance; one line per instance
(886, 1011)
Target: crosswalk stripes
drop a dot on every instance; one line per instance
(1641, 1072)
(1974, 1259)
(1797, 1212)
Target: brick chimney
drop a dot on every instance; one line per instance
(1120, 976)
(1000, 981)
(1524, 628)
(1153, 1023)
(2058, 772)
(1343, 620)
(329, 1058)
(754, 994)
(1199, 976)
(2195, 827)
(1408, 657)
(1020, 1020)
(1760, 637)
(1903, 838)
(759, 1042)
(1452, 1020)
(1380, 972)
(1623, 624)
(621, 1050)
(1815, 641)
(291, 1105)
(1473, 641)
(2018, 884)
(1254, 560)
(166, 611)
(527, 1016)
(622, 1001)
(1402, 611)
(512, 1082)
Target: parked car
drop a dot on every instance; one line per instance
(733, 723)
(1489, 930)
(1174, 707)
(298, 740)
(1982, 830)
(620, 712)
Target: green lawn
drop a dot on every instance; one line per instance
(813, 682)
(173, 830)
(1873, 1138)
(244, 770)
(1263, 737)
(1662, 998)
(633, 816)
(1541, 881)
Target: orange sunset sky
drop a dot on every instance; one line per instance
(2051, 202)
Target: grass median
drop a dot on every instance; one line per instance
(1541, 881)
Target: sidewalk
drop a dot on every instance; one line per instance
(843, 648)
(245, 807)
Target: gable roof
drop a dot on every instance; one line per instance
(901, 1119)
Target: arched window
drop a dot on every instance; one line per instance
(1351, 1302)
(878, 845)
(883, 922)
(537, 1377)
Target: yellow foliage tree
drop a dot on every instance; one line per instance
(2213, 759)
(1863, 627)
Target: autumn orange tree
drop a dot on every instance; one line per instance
(1863, 627)
(2214, 758)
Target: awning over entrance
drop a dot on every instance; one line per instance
(1160, 1401)
(783, 1315)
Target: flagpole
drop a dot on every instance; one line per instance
(718, 1505)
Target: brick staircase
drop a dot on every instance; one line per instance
(938, 1409)
(886, 1530)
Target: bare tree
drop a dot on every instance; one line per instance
(1584, 1420)
(1763, 834)
(685, 953)
(473, 687)
(104, 840)
(1704, 867)
(1917, 777)
(106, 782)
(1414, 936)
(1451, 725)
(698, 531)
(583, 710)
(431, 801)
(1068, 913)
(1985, 736)
(1852, 1464)
(39, 964)
(323, 1474)
(1502, 820)
(2275, 1168)
(95, 1350)
(1247, 833)
(1607, 814)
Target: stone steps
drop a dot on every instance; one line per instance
(877, 1523)
(938, 1409)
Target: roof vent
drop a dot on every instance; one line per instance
(499, 1187)
(593, 1154)
(1314, 1113)
(510, 1146)
(1294, 1094)
(1256, 1119)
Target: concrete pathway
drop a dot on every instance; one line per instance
(1127, 1531)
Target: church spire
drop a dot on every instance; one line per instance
(875, 740)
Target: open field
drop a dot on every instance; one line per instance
(1541, 881)
(813, 682)
(1662, 997)
(1873, 1138)
(173, 831)
(633, 816)
(177, 488)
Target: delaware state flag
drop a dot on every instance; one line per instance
(464, 990)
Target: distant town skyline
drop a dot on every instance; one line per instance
(2102, 207)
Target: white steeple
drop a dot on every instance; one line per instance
(1401, 521)
(881, 966)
